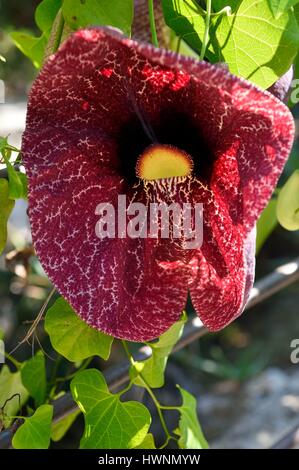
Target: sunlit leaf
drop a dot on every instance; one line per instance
(30, 46)
(191, 435)
(109, 422)
(288, 203)
(153, 368)
(266, 224)
(35, 432)
(253, 44)
(17, 181)
(147, 443)
(13, 394)
(72, 337)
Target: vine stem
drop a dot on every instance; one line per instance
(178, 46)
(151, 12)
(206, 32)
(152, 395)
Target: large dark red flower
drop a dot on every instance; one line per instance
(97, 105)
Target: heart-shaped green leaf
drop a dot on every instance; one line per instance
(255, 45)
(109, 422)
(35, 432)
(72, 337)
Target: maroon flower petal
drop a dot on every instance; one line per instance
(114, 284)
(83, 117)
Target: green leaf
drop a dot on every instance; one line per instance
(280, 6)
(17, 183)
(35, 432)
(5, 146)
(33, 375)
(288, 203)
(6, 206)
(147, 443)
(266, 224)
(109, 423)
(178, 45)
(12, 389)
(24, 181)
(34, 47)
(72, 337)
(60, 428)
(275, 42)
(30, 46)
(189, 428)
(185, 19)
(232, 37)
(45, 14)
(153, 368)
(79, 14)
(3, 143)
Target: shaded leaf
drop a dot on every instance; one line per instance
(46, 12)
(187, 20)
(33, 375)
(79, 14)
(280, 6)
(6, 206)
(189, 428)
(109, 423)
(72, 337)
(35, 432)
(60, 428)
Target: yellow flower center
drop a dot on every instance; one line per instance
(163, 161)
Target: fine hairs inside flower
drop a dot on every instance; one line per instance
(163, 161)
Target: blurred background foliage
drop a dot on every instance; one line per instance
(17, 72)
